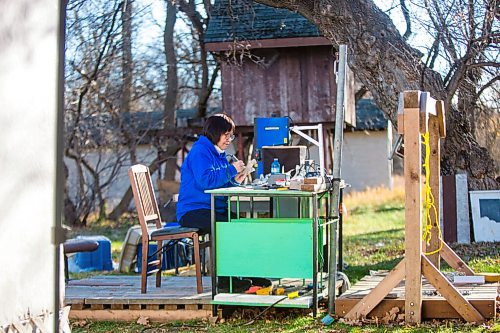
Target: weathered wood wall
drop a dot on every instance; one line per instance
(298, 82)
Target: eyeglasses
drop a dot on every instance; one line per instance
(229, 136)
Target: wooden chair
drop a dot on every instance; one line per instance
(148, 212)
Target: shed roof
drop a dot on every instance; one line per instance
(241, 20)
(369, 117)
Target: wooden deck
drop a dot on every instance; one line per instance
(482, 297)
(118, 297)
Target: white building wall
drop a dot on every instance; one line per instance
(28, 112)
(364, 159)
(115, 191)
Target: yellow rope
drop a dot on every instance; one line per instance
(429, 201)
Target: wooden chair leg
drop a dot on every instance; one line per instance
(144, 267)
(197, 262)
(159, 256)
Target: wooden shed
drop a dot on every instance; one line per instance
(274, 63)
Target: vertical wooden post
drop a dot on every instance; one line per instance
(413, 204)
(434, 168)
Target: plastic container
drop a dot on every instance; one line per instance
(98, 260)
(275, 167)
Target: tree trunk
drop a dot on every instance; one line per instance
(169, 145)
(171, 79)
(387, 65)
(126, 56)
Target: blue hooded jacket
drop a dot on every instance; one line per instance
(203, 169)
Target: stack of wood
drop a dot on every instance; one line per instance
(313, 184)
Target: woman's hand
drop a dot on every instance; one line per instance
(239, 165)
(239, 178)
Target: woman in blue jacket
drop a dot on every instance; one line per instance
(206, 167)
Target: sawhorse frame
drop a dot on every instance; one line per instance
(419, 113)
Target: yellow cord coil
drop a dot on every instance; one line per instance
(429, 201)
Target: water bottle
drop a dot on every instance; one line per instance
(275, 167)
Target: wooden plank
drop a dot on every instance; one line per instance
(370, 301)
(145, 301)
(468, 279)
(450, 293)
(117, 306)
(442, 118)
(449, 209)
(431, 308)
(400, 118)
(424, 114)
(97, 306)
(77, 306)
(133, 315)
(191, 307)
(152, 307)
(267, 43)
(413, 215)
(134, 307)
(454, 260)
(435, 173)
(412, 99)
(171, 307)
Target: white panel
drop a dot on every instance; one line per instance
(364, 160)
(462, 194)
(28, 77)
(485, 206)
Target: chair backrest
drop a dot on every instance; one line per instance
(144, 197)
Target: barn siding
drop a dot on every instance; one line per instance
(297, 82)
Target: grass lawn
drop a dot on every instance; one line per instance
(373, 240)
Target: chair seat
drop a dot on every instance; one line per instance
(172, 231)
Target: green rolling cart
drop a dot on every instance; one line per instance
(271, 247)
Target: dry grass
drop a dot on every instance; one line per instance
(377, 196)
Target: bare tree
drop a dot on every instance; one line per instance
(100, 138)
(386, 64)
(199, 24)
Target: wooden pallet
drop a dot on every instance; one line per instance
(482, 297)
(119, 298)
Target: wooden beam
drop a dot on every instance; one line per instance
(442, 118)
(434, 168)
(370, 301)
(413, 215)
(454, 260)
(411, 99)
(267, 43)
(424, 114)
(450, 293)
(401, 116)
(133, 315)
(431, 308)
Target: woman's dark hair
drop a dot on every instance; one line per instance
(217, 125)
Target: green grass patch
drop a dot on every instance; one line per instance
(289, 324)
(373, 239)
